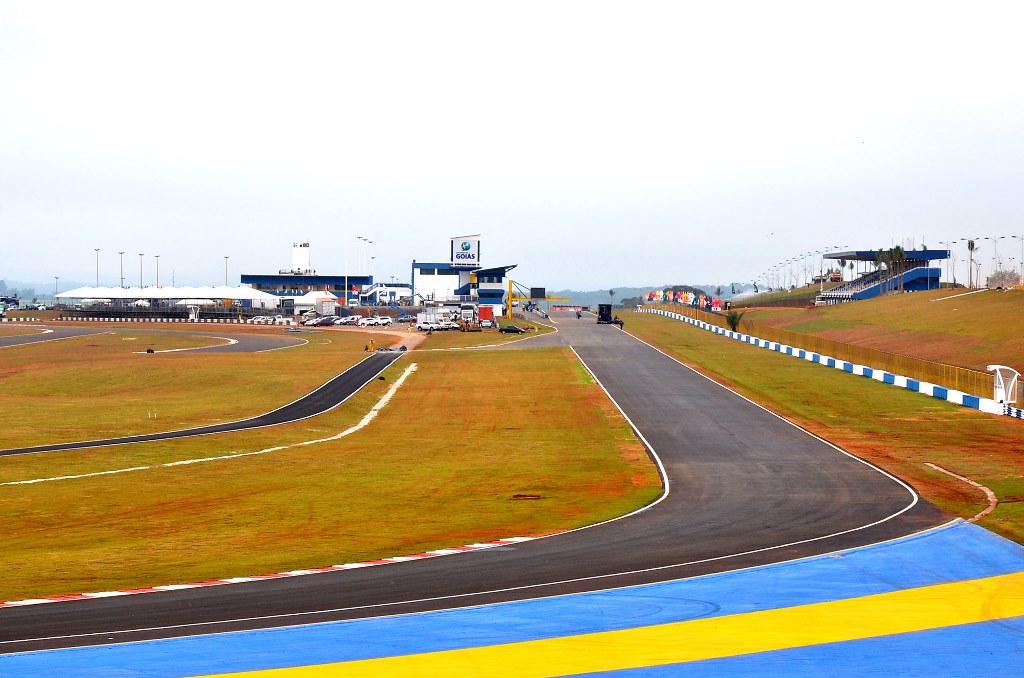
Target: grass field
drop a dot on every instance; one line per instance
(972, 330)
(104, 385)
(894, 428)
(438, 467)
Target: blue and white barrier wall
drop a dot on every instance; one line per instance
(951, 395)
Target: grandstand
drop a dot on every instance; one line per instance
(895, 270)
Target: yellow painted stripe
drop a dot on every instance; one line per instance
(883, 614)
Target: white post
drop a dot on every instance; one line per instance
(1005, 390)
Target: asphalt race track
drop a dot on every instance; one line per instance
(235, 343)
(51, 334)
(745, 488)
(326, 397)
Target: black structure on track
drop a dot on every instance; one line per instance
(746, 488)
(328, 396)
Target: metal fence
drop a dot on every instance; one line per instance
(949, 376)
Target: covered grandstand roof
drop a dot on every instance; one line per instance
(218, 292)
(872, 255)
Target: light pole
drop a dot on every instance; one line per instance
(140, 270)
(1021, 238)
(948, 256)
(122, 268)
(97, 266)
(55, 279)
(157, 270)
(362, 258)
(226, 270)
(372, 267)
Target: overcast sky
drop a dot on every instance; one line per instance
(593, 144)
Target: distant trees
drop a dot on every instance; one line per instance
(1002, 278)
(23, 293)
(894, 260)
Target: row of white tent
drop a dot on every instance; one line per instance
(192, 296)
(150, 293)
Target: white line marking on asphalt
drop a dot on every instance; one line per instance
(909, 489)
(993, 500)
(93, 444)
(231, 342)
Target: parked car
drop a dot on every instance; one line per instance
(447, 325)
(384, 320)
(326, 321)
(261, 319)
(511, 329)
(486, 323)
(348, 320)
(427, 326)
(367, 322)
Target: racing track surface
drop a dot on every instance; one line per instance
(319, 401)
(746, 487)
(239, 343)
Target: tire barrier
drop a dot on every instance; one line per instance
(948, 394)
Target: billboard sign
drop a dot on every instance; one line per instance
(466, 250)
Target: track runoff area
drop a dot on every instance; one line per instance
(770, 552)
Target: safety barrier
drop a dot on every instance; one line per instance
(948, 376)
(953, 395)
(19, 320)
(225, 321)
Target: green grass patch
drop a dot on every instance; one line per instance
(438, 467)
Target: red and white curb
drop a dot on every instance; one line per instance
(262, 577)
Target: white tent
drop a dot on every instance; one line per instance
(196, 302)
(150, 293)
(312, 299)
